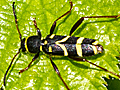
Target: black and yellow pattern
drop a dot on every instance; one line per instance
(70, 46)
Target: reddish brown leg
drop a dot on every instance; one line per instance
(75, 26)
(79, 59)
(57, 71)
(34, 58)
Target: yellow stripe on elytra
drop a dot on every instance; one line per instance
(62, 40)
(64, 49)
(42, 38)
(95, 43)
(79, 40)
(50, 49)
(26, 44)
(52, 36)
(94, 49)
(79, 50)
(40, 48)
(45, 42)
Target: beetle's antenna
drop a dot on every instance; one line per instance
(10, 66)
(20, 36)
(54, 24)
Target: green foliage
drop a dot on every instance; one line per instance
(41, 75)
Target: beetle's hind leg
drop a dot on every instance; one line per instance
(57, 71)
(85, 60)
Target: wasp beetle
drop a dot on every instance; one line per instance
(72, 47)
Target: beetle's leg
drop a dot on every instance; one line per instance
(79, 59)
(57, 71)
(54, 24)
(34, 58)
(38, 30)
(20, 36)
(82, 18)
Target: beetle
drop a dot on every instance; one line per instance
(72, 47)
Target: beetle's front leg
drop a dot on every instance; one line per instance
(34, 58)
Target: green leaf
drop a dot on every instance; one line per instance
(41, 75)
